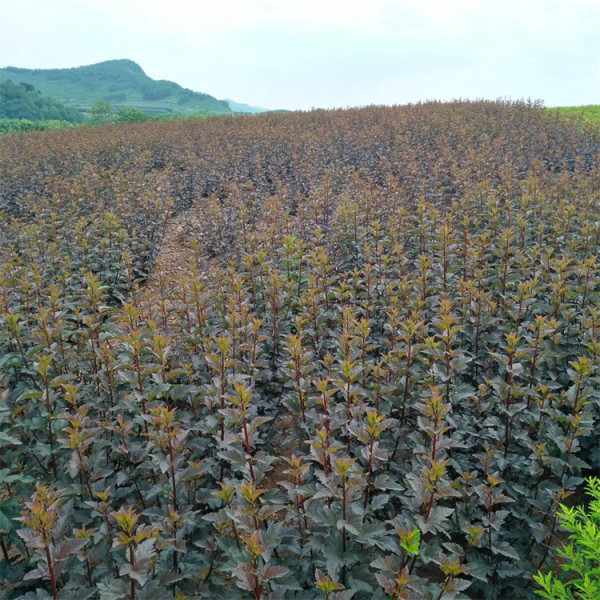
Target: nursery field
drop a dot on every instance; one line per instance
(326, 355)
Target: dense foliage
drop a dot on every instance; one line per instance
(589, 113)
(20, 125)
(123, 115)
(376, 375)
(23, 101)
(102, 113)
(580, 577)
(120, 82)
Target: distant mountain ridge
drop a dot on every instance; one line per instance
(240, 107)
(122, 82)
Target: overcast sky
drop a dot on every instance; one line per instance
(299, 54)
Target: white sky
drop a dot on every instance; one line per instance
(299, 54)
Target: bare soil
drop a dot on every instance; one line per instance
(175, 256)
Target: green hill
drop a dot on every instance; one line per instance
(121, 82)
(23, 101)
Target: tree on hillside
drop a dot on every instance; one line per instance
(101, 112)
(129, 114)
(23, 101)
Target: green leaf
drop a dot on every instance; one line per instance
(9, 439)
(411, 543)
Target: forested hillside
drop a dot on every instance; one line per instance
(23, 101)
(120, 82)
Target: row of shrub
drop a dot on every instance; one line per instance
(372, 371)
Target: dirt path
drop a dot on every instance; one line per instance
(183, 245)
(174, 257)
